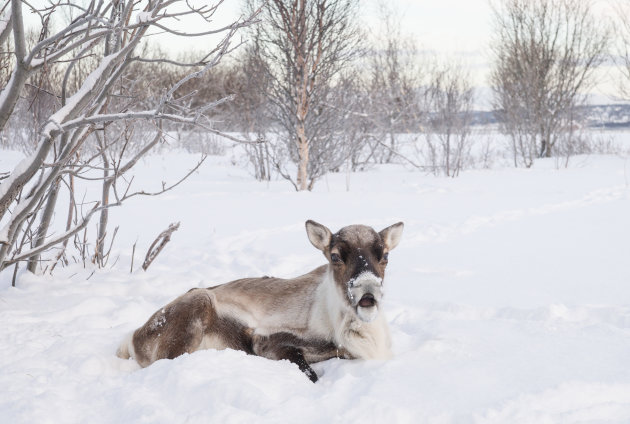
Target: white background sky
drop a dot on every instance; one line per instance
(458, 29)
(455, 30)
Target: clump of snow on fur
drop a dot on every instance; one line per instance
(158, 322)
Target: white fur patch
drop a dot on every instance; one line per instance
(367, 314)
(125, 350)
(332, 315)
(212, 341)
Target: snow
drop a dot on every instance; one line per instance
(507, 299)
(143, 17)
(94, 33)
(89, 85)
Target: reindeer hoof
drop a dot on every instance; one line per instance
(310, 373)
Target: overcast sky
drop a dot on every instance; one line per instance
(458, 30)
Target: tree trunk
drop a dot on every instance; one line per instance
(99, 250)
(11, 92)
(49, 209)
(392, 149)
(42, 231)
(302, 177)
(447, 154)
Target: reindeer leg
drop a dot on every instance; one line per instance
(295, 355)
(175, 329)
(283, 346)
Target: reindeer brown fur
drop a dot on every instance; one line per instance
(333, 311)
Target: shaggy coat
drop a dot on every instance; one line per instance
(333, 311)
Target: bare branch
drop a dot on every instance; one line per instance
(162, 239)
(545, 52)
(54, 240)
(165, 187)
(93, 54)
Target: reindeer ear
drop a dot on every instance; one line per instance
(391, 235)
(318, 234)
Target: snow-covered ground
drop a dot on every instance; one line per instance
(508, 301)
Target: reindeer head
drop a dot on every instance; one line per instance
(358, 256)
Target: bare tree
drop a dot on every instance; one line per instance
(112, 32)
(623, 48)
(451, 99)
(545, 52)
(362, 143)
(394, 86)
(250, 84)
(305, 45)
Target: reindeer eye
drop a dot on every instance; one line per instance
(385, 256)
(335, 258)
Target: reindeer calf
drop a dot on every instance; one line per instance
(333, 311)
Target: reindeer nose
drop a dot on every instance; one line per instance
(367, 301)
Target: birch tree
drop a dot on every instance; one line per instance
(450, 98)
(305, 45)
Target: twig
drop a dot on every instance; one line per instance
(54, 240)
(412, 163)
(163, 238)
(14, 274)
(133, 255)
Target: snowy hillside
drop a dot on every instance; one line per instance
(508, 300)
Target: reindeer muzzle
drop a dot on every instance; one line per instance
(367, 301)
